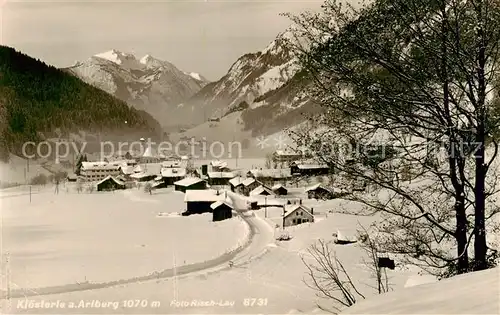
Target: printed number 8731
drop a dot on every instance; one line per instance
(254, 302)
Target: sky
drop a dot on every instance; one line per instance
(197, 36)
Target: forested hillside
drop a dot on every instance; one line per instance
(36, 97)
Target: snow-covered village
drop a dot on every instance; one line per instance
(338, 157)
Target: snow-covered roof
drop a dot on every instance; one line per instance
(293, 208)
(238, 180)
(148, 168)
(208, 195)
(188, 181)
(174, 164)
(100, 166)
(173, 172)
(259, 190)
(272, 173)
(314, 187)
(127, 170)
(248, 181)
(140, 175)
(311, 166)
(119, 182)
(220, 174)
(220, 164)
(217, 204)
(287, 153)
(277, 186)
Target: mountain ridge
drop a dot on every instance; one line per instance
(146, 83)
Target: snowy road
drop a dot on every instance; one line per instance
(261, 235)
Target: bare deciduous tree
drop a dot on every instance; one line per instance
(328, 277)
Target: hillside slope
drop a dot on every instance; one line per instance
(36, 99)
(266, 87)
(147, 83)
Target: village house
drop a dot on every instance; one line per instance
(219, 166)
(236, 184)
(309, 168)
(172, 175)
(95, 171)
(200, 201)
(317, 191)
(221, 210)
(286, 156)
(249, 184)
(271, 175)
(261, 191)
(110, 183)
(265, 201)
(219, 178)
(190, 183)
(297, 214)
(150, 156)
(146, 172)
(279, 190)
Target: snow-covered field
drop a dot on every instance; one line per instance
(472, 293)
(110, 245)
(68, 238)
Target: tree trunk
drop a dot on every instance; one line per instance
(479, 221)
(461, 236)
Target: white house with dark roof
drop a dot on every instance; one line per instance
(297, 214)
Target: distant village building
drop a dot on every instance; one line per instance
(146, 172)
(297, 214)
(150, 156)
(249, 184)
(219, 166)
(110, 183)
(219, 178)
(72, 177)
(222, 210)
(190, 183)
(318, 192)
(94, 171)
(261, 191)
(271, 175)
(286, 156)
(309, 168)
(236, 184)
(279, 190)
(172, 175)
(200, 201)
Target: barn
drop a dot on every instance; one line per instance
(297, 214)
(236, 184)
(279, 190)
(170, 175)
(261, 191)
(200, 201)
(309, 168)
(319, 192)
(221, 211)
(249, 184)
(190, 183)
(110, 183)
(219, 178)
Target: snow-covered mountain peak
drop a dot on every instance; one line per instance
(125, 60)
